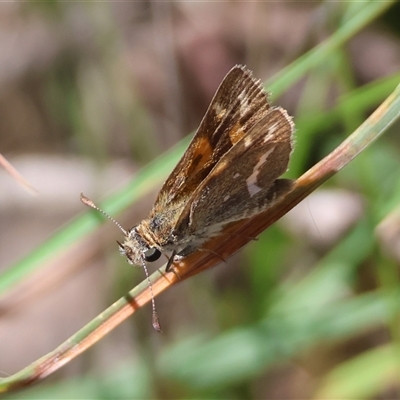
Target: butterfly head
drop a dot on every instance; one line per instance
(136, 250)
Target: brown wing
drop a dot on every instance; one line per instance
(239, 185)
(239, 103)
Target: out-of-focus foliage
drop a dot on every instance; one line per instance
(90, 92)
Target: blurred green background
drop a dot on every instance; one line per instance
(93, 91)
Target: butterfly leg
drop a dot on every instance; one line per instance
(170, 261)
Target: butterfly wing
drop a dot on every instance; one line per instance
(239, 103)
(241, 183)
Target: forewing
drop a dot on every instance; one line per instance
(239, 103)
(239, 184)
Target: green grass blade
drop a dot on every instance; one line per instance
(288, 76)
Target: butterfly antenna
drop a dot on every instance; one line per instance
(155, 320)
(90, 203)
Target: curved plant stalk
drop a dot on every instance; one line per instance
(235, 237)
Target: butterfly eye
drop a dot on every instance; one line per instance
(152, 254)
